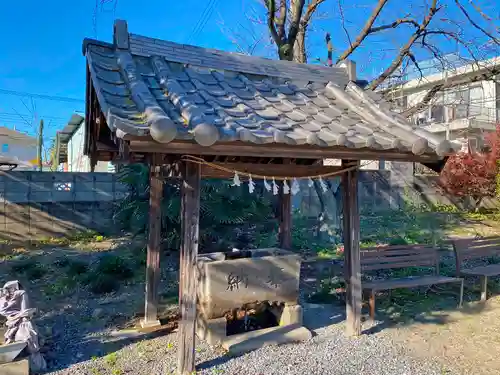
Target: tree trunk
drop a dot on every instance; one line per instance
(299, 48)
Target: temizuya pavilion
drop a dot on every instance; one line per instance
(174, 106)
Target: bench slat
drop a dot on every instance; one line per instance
(387, 266)
(471, 248)
(489, 270)
(484, 241)
(409, 282)
(383, 258)
(481, 253)
(468, 245)
(387, 257)
(376, 251)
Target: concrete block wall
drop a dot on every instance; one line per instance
(386, 190)
(35, 205)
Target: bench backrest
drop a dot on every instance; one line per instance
(474, 248)
(399, 256)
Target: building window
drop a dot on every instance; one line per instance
(473, 144)
(466, 102)
(437, 113)
(401, 102)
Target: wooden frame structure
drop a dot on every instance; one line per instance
(112, 75)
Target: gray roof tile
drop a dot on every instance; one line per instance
(296, 115)
(168, 90)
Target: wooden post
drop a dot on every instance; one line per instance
(352, 263)
(285, 219)
(153, 256)
(190, 215)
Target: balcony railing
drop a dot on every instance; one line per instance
(438, 114)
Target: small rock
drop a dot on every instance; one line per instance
(98, 313)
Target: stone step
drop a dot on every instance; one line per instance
(15, 368)
(245, 342)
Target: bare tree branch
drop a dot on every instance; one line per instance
(342, 18)
(365, 31)
(406, 48)
(281, 20)
(311, 8)
(271, 10)
(480, 11)
(393, 25)
(475, 24)
(296, 9)
(415, 62)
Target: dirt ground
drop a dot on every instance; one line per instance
(466, 340)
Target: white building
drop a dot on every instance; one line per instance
(464, 112)
(18, 149)
(70, 146)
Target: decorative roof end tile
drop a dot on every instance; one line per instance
(121, 37)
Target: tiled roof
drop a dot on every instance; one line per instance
(150, 87)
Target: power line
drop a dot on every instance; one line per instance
(41, 96)
(16, 115)
(202, 21)
(197, 24)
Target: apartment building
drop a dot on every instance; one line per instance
(465, 112)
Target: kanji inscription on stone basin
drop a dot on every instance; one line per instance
(269, 275)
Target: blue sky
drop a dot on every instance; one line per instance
(41, 43)
(41, 48)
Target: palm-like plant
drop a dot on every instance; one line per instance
(227, 214)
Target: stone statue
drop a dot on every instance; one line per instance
(14, 305)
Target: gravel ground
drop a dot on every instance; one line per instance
(328, 352)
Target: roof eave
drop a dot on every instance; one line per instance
(89, 41)
(277, 150)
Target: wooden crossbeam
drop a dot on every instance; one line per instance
(277, 150)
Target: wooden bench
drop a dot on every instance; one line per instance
(394, 257)
(468, 249)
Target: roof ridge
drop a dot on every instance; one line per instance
(217, 59)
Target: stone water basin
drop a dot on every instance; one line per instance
(230, 280)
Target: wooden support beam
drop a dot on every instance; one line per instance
(153, 255)
(277, 150)
(352, 261)
(190, 215)
(285, 219)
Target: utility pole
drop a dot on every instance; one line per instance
(40, 145)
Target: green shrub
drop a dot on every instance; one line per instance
(77, 267)
(29, 268)
(102, 283)
(327, 292)
(83, 236)
(61, 262)
(61, 286)
(115, 266)
(139, 256)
